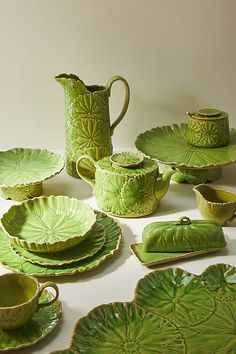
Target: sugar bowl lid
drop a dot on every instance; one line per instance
(208, 113)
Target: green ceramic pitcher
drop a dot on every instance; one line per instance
(127, 184)
(88, 128)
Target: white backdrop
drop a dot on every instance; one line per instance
(177, 55)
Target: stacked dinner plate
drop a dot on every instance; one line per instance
(56, 235)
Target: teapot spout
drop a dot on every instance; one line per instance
(163, 182)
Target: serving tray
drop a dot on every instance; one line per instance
(41, 324)
(173, 311)
(168, 144)
(112, 242)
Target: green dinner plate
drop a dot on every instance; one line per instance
(87, 248)
(150, 259)
(173, 311)
(111, 245)
(41, 324)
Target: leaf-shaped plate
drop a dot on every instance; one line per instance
(87, 248)
(150, 259)
(22, 166)
(168, 144)
(111, 245)
(173, 312)
(48, 224)
(41, 324)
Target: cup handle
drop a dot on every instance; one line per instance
(48, 285)
(79, 170)
(126, 101)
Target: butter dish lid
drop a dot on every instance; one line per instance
(182, 235)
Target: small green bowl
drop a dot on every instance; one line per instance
(48, 224)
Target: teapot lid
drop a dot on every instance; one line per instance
(128, 163)
(208, 113)
(127, 159)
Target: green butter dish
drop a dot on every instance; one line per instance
(87, 248)
(15, 262)
(23, 170)
(182, 235)
(42, 323)
(173, 311)
(48, 224)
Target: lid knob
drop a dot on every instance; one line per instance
(127, 159)
(184, 220)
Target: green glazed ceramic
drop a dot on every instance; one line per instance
(215, 203)
(151, 259)
(130, 190)
(20, 299)
(182, 235)
(208, 128)
(112, 242)
(48, 224)
(168, 144)
(87, 248)
(42, 323)
(22, 172)
(173, 312)
(88, 127)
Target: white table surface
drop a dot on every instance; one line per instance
(115, 279)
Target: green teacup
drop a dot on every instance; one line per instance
(19, 299)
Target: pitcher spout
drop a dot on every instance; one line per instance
(71, 82)
(163, 182)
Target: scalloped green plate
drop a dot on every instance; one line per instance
(112, 242)
(41, 324)
(48, 224)
(23, 170)
(168, 144)
(87, 248)
(173, 311)
(150, 259)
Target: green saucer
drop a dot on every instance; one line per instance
(87, 248)
(150, 259)
(41, 324)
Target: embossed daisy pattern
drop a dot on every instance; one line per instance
(138, 194)
(90, 133)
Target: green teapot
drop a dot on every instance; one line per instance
(126, 184)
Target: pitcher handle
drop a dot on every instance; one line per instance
(126, 102)
(80, 171)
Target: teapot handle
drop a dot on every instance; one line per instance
(126, 102)
(79, 169)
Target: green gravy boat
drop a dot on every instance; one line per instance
(215, 203)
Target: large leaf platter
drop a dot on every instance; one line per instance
(23, 170)
(168, 144)
(15, 262)
(173, 312)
